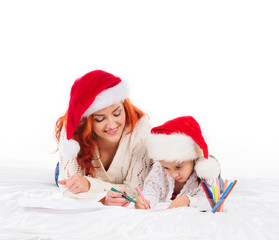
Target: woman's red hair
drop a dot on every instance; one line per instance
(84, 134)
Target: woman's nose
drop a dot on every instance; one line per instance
(111, 123)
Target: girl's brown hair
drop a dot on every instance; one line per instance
(84, 134)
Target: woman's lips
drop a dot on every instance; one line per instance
(112, 131)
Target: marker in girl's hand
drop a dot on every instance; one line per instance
(141, 195)
(123, 195)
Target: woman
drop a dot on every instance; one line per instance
(101, 141)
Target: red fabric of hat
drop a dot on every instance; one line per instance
(185, 125)
(92, 92)
(181, 140)
(83, 94)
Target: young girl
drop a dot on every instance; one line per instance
(101, 141)
(181, 160)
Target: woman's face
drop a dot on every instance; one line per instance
(109, 123)
(178, 171)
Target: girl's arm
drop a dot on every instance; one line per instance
(193, 190)
(182, 201)
(155, 185)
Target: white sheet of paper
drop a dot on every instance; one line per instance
(57, 204)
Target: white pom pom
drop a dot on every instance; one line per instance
(207, 168)
(69, 149)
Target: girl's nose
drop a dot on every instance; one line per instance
(174, 174)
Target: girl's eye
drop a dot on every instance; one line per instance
(178, 167)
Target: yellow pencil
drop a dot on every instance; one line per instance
(216, 193)
(213, 193)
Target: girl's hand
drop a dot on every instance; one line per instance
(76, 184)
(140, 204)
(182, 201)
(116, 199)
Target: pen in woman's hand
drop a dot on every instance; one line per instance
(123, 195)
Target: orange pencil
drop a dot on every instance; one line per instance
(225, 187)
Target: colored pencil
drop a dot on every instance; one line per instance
(213, 191)
(207, 193)
(211, 194)
(141, 195)
(216, 193)
(224, 195)
(225, 187)
(218, 187)
(123, 195)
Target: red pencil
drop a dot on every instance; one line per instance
(210, 200)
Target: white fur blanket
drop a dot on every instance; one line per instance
(250, 212)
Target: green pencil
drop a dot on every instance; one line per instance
(123, 195)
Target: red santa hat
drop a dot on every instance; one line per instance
(90, 93)
(180, 140)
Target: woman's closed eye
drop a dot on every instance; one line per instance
(99, 119)
(117, 114)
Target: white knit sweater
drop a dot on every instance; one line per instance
(159, 187)
(129, 167)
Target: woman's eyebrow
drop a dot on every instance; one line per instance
(100, 115)
(116, 109)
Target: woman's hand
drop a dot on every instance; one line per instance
(140, 204)
(116, 199)
(182, 201)
(76, 184)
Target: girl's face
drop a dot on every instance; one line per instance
(178, 171)
(109, 123)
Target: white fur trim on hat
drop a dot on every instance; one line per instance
(108, 97)
(69, 149)
(207, 168)
(174, 147)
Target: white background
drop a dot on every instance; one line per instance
(215, 60)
